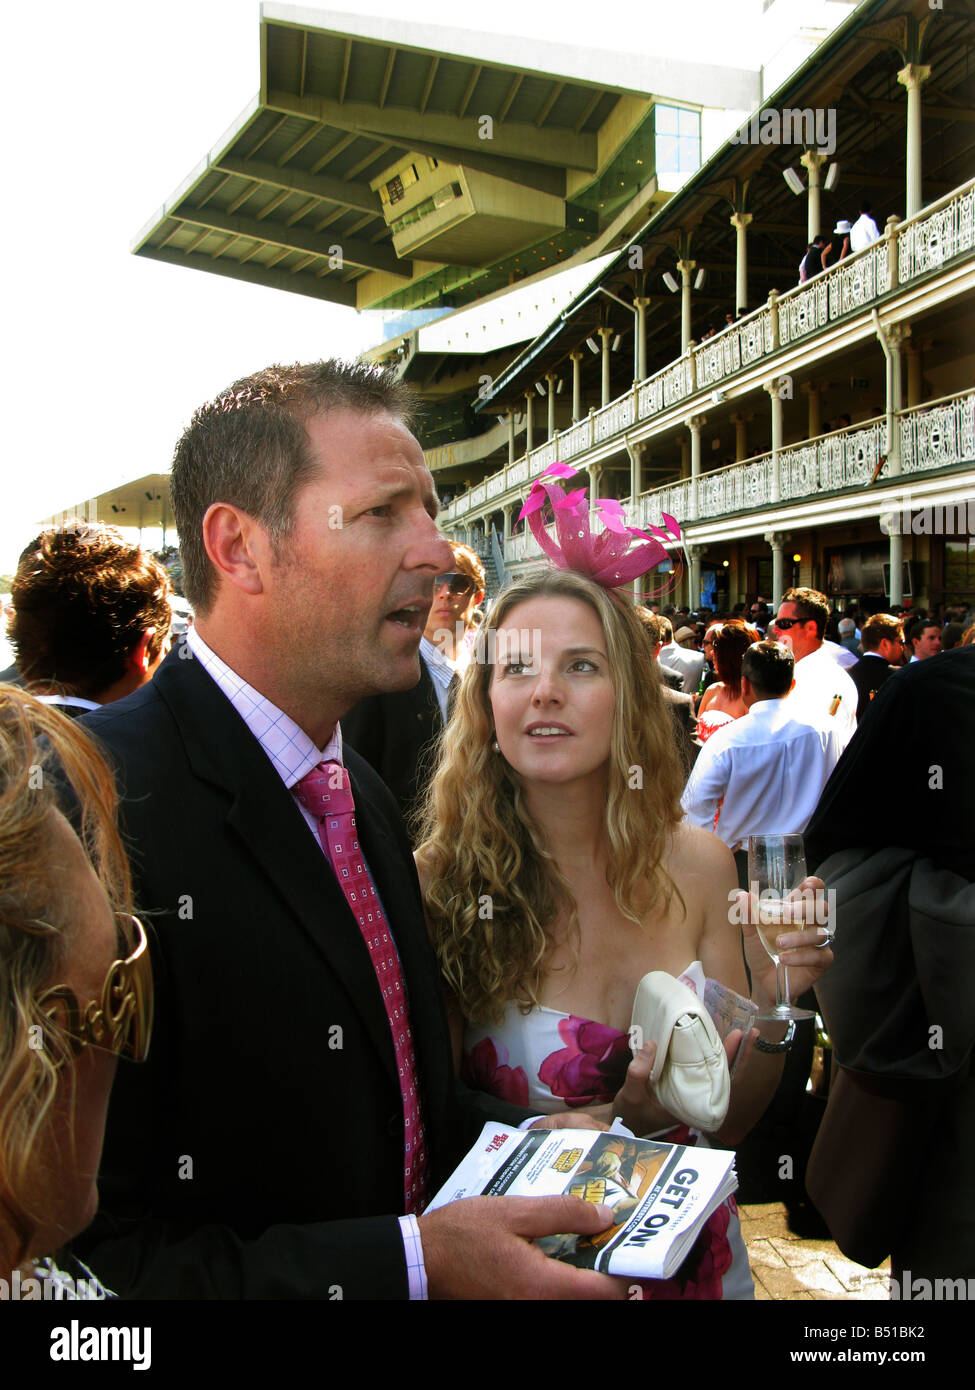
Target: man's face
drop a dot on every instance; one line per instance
(929, 643)
(892, 650)
(800, 637)
(450, 607)
(352, 589)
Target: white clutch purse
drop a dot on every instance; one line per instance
(690, 1071)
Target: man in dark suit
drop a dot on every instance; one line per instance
(398, 731)
(262, 1152)
(91, 617)
(659, 631)
(882, 640)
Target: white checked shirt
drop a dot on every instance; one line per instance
(770, 767)
(294, 754)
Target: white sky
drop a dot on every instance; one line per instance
(109, 106)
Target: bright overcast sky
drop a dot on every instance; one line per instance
(107, 107)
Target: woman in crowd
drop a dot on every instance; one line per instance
(557, 872)
(75, 988)
(721, 702)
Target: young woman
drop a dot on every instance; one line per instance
(75, 990)
(721, 702)
(557, 872)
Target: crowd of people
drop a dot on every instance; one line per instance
(579, 777)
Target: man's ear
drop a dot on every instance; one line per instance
(139, 658)
(478, 598)
(238, 546)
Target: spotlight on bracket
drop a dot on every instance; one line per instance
(670, 282)
(592, 345)
(700, 278)
(794, 180)
(540, 388)
(832, 177)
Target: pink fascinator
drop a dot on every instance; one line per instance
(610, 558)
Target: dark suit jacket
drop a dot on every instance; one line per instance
(398, 734)
(868, 675)
(259, 1152)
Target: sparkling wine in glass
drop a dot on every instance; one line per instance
(776, 868)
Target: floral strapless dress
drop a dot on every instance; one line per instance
(550, 1061)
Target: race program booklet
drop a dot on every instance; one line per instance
(661, 1194)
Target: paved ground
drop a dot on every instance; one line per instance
(784, 1266)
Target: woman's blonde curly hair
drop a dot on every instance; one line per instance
(40, 748)
(494, 889)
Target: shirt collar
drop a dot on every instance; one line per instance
(289, 748)
(436, 659)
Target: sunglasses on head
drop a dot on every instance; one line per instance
(119, 1021)
(456, 583)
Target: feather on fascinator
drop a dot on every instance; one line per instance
(609, 558)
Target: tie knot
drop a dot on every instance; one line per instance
(325, 791)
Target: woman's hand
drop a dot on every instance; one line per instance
(801, 943)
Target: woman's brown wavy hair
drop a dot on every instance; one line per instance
(40, 748)
(494, 886)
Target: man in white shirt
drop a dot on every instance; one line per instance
(763, 774)
(688, 664)
(864, 230)
(822, 686)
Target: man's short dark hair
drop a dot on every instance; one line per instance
(249, 449)
(812, 605)
(83, 597)
(878, 628)
(768, 667)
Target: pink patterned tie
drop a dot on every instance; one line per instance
(325, 793)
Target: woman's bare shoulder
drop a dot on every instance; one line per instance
(695, 852)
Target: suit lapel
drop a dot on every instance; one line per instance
(265, 817)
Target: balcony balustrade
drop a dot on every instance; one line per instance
(931, 436)
(906, 252)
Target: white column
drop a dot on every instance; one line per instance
(693, 553)
(740, 221)
(508, 511)
(776, 540)
(686, 269)
(606, 335)
(641, 303)
(912, 78)
(552, 381)
(511, 434)
(694, 425)
(774, 388)
(529, 421)
(813, 162)
(741, 436)
(576, 385)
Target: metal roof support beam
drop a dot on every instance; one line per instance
(328, 289)
(428, 84)
(359, 253)
(387, 75)
(346, 62)
(330, 190)
(513, 140)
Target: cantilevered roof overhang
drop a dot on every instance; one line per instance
(300, 193)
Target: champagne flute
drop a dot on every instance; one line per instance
(776, 867)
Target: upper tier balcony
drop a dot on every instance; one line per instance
(927, 258)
